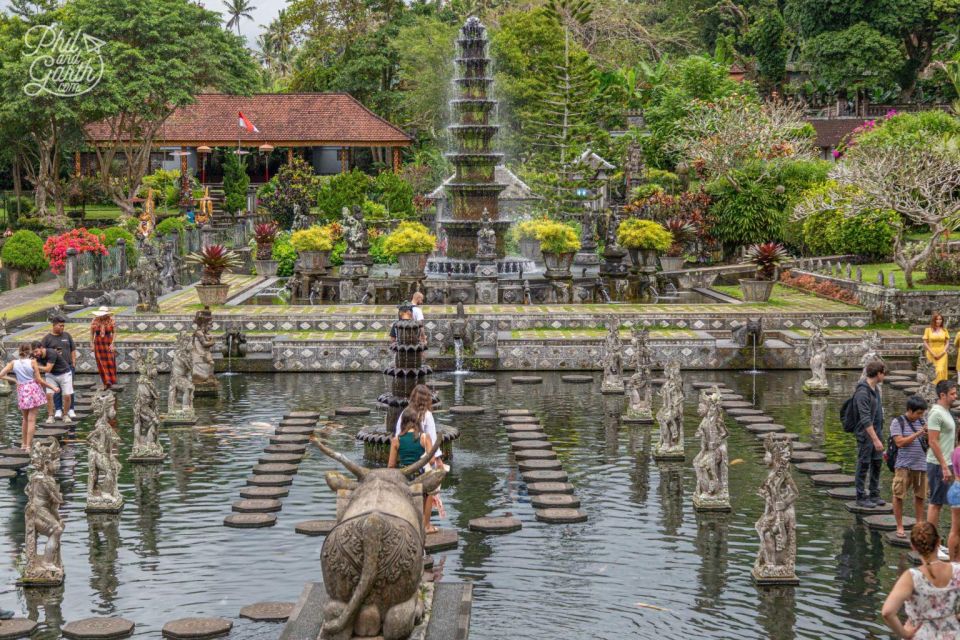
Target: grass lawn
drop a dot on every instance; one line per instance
(781, 297)
(102, 212)
(46, 302)
(870, 272)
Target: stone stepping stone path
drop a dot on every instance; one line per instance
(270, 481)
(515, 412)
(442, 540)
(853, 507)
(843, 493)
(196, 628)
(764, 428)
(16, 628)
(832, 480)
(297, 431)
(811, 468)
(887, 522)
(49, 432)
(285, 447)
(531, 477)
(905, 373)
(808, 456)
(250, 520)
(523, 428)
(538, 488)
(891, 538)
(352, 411)
(523, 436)
(801, 446)
(7, 474)
(13, 463)
(539, 465)
(745, 412)
(467, 410)
(440, 384)
(100, 628)
(289, 438)
(268, 611)
(729, 405)
(706, 384)
(733, 397)
(753, 419)
(288, 458)
(534, 454)
(782, 435)
(526, 380)
(577, 378)
(298, 422)
(555, 501)
(520, 419)
(480, 382)
(313, 415)
(14, 452)
(84, 383)
(495, 524)
(264, 493)
(275, 468)
(560, 516)
(528, 445)
(262, 505)
(315, 527)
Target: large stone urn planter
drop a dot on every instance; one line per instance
(315, 262)
(412, 264)
(558, 264)
(266, 268)
(672, 263)
(530, 249)
(642, 257)
(213, 294)
(756, 290)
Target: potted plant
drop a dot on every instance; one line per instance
(56, 247)
(526, 232)
(558, 245)
(215, 259)
(766, 257)
(265, 233)
(410, 242)
(682, 233)
(22, 253)
(313, 246)
(644, 239)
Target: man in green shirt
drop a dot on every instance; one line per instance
(942, 435)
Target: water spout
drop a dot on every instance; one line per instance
(458, 357)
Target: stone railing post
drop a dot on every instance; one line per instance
(71, 270)
(122, 257)
(98, 269)
(208, 236)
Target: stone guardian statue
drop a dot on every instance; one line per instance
(201, 353)
(612, 359)
(870, 351)
(42, 518)
(777, 527)
(670, 415)
(181, 384)
(103, 495)
(146, 416)
(711, 464)
(817, 385)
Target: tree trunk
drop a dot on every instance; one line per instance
(910, 263)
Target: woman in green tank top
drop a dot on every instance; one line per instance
(411, 444)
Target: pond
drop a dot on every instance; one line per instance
(644, 565)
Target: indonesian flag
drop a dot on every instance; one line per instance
(243, 123)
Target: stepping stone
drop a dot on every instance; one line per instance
(196, 628)
(900, 384)
(808, 456)
(526, 380)
(733, 397)
(843, 493)
(706, 384)
(539, 465)
(352, 411)
(264, 493)
(298, 422)
(7, 474)
(537, 488)
(440, 384)
(480, 382)
(735, 404)
(288, 458)
(658, 382)
(523, 428)
(832, 480)
(495, 524)
(297, 431)
(811, 468)
(50, 432)
(519, 419)
(560, 516)
(262, 505)
(13, 463)
(16, 628)
(535, 454)
(286, 447)
(270, 481)
(442, 540)
(523, 436)
(753, 419)
(14, 452)
(268, 611)
(745, 412)
(801, 446)
(891, 538)
(555, 500)
(289, 438)
(886, 522)
(765, 428)
(782, 435)
(515, 412)
(852, 507)
(314, 415)
(526, 445)
(250, 520)
(889, 379)
(466, 410)
(914, 557)
(315, 527)
(531, 477)
(101, 628)
(275, 468)
(906, 373)
(84, 384)
(577, 379)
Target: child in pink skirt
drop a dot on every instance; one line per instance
(30, 395)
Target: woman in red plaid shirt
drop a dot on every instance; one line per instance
(101, 335)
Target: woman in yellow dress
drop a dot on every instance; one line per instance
(935, 340)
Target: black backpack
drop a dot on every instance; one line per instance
(893, 449)
(849, 416)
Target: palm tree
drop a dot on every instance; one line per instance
(237, 10)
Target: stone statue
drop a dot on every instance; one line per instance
(486, 238)
(817, 351)
(711, 464)
(42, 517)
(640, 390)
(612, 359)
(381, 511)
(462, 329)
(292, 285)
(5, 388)
(201, 354)
(181, 383)
(561, 291)
(103, 496)
(146, 281)
(169, 277)
(354, 230)
(640, 341)
(749, 334)
(777, 526)
(146, 417)
(234, 343)
(870, 350)
(300, 220)
(926, 374)
(670, 415)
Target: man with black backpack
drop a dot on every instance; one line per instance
(907, 458)
(869, 429)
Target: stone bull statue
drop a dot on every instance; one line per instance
(372, 560)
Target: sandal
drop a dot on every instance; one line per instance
(902, 534)
(430, 529)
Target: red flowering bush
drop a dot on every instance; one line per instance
(820, 288)
(55, 248)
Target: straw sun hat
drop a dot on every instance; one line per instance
(102, 311)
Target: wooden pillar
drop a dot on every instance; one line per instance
(290, 155)
(343, 155)
(76, 164)
(184, 176)
(396, 159)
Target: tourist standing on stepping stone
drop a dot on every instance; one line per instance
(935, 341)
(929, 593)
(406, 449)
(942, 433)
(30, 396)
(416, 301)
(421, 402)
(62, 342)
(58, 376)
(102, 331)
(869, 434)
(909, 432)
(405, 312)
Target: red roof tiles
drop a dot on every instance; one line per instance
(284, 119)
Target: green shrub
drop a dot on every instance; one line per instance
(343, 190)
(23, 251)
(336, 255)
(173, 224)
(284, 254)
(374, 211)
(32, 224)
(315, 238)
(109, 238)
(27, 205)
(556, 237)
(378, 251)
(235, 183)
(869, 234)
(644, 234)
(943, 268)
(394, 193)
(409, 237)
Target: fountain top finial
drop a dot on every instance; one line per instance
(473, 28)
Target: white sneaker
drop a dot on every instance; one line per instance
(58, 415)
(67, 420)
(50, 420)
(72, 414)
(943, 554)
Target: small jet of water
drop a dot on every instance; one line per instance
(737, 461)
(644, 605)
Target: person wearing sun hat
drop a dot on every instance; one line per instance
(101, 336)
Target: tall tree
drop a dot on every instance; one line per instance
(237, 10)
